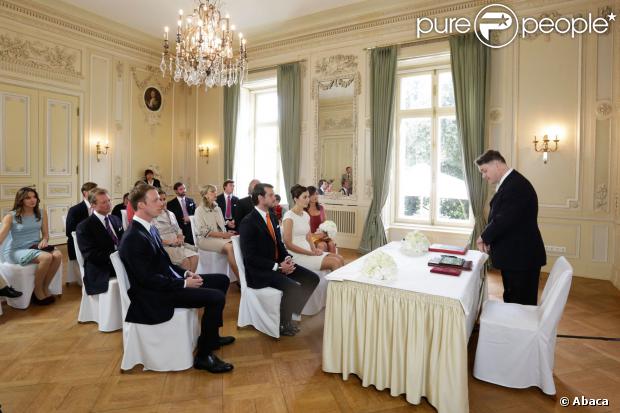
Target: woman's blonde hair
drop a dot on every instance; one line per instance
(204, 191)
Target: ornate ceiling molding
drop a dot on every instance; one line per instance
(43, 16)
(377, 23)
(37, 57)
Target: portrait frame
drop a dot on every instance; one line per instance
(152, 98)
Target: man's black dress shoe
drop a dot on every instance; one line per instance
(287, 329)
(212, 364)
(10, 292)
(226, 340)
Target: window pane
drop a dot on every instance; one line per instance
(266, 155)
(451, 187)
(415, 168)
(266, 107)
(416, 92)
(446, 91)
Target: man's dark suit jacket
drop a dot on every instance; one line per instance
(76, 214)
(116, 211)
(244, 207)
(150, 276)
(221, 201)
(96, 246)
(512, 231)
(174, 206)
(258, 249)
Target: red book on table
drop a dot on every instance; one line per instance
(450, 249)
(446, 270)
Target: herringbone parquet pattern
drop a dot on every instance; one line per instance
(50, 363)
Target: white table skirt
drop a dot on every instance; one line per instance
(399, 336)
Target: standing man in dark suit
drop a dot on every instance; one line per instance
(228, 204)
(158, 286)
(512, 237)
(268, 263)
(76, 214)
(149, 178)
(98, 236)
(245, 205)
(183, 207)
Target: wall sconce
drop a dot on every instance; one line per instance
(102, 152)
(544, 148)
(203, 151)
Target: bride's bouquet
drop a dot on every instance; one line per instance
(415, 243)
(380, 266)
(330, 228)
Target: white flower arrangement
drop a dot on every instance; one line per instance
(330, 228)
(380, 266)
(415, 243)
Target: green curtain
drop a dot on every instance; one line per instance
(289, 119)
(231, 109)
(469, 58)
(382, 80)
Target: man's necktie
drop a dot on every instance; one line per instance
(108, 227)
(228, 208)
(184, 207)
(155, 235)
(273, 236)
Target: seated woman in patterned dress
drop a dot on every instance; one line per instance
(180, 252)
(24, 238)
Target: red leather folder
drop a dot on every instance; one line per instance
(446, 270)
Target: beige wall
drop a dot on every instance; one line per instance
(535, 83)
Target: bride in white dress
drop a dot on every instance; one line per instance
(297, 237)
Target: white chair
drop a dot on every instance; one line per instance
(516, 344)
(210, 262)
(124, 219)
(258, 307)
(317, 300)
(22, 279)
(105, 308)
(73, 271)
(166, 346)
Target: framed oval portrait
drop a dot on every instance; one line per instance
(152, 99)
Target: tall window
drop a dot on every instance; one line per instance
(430, 180)
(257, 153)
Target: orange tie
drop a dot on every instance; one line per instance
(273, 235)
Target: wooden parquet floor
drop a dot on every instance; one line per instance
(50, 363)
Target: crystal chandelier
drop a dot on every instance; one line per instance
(204, 49)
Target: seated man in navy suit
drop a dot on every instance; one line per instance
(158, 286)
(268, 263)
(98, 236)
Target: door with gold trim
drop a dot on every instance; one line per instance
(39, 147)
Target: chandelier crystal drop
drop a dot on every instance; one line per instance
(204, 52)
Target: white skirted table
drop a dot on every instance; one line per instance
(409, 334)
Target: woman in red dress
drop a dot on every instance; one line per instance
(317, 217)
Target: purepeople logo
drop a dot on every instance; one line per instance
(499, 19)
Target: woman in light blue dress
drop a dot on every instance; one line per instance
(23, 235)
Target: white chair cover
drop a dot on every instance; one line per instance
(317, 300)
(73, 271)
(22, 279)
(258, 307)
(516, 344)
(210, 262)
(167, 346)
(124, 219)
(104, 309)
